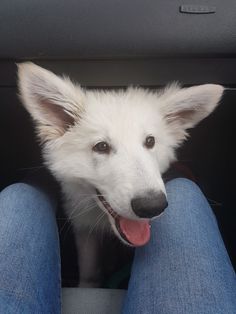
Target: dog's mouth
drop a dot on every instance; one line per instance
(133, 232)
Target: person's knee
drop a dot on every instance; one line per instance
(26, 210)
(21, 199)
(186, 197)
(185, 185)
(183, 189)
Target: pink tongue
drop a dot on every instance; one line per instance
(136, 232)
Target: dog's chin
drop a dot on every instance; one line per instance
(131, 232)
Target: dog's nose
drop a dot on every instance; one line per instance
(149, 205)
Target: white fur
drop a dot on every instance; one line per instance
(122, 118)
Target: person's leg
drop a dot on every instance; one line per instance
(29, 252)
(185, 268)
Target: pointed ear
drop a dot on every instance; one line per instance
(183, 108)
(53, 102)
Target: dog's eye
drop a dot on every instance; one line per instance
(149, 142)
(102, 148)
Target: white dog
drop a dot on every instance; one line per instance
(108, 149)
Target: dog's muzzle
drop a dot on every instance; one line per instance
(132, 232)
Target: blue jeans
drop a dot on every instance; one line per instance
(29, 252)
(184, 269)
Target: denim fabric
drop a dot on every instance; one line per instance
(185, 268)
(29, 252)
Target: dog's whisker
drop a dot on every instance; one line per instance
(72, 216)
(82, 213)
(68, 219)
(66, 232)
(103, 229)
(214, 202)
(100, 216)
(82, 203)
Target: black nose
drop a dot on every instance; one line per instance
(149, 205)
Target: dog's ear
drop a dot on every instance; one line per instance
(183, 108)
(54, 103)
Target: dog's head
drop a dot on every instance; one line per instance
(120, 142)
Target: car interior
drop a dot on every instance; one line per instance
(110, 45)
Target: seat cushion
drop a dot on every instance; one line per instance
(92, 300)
